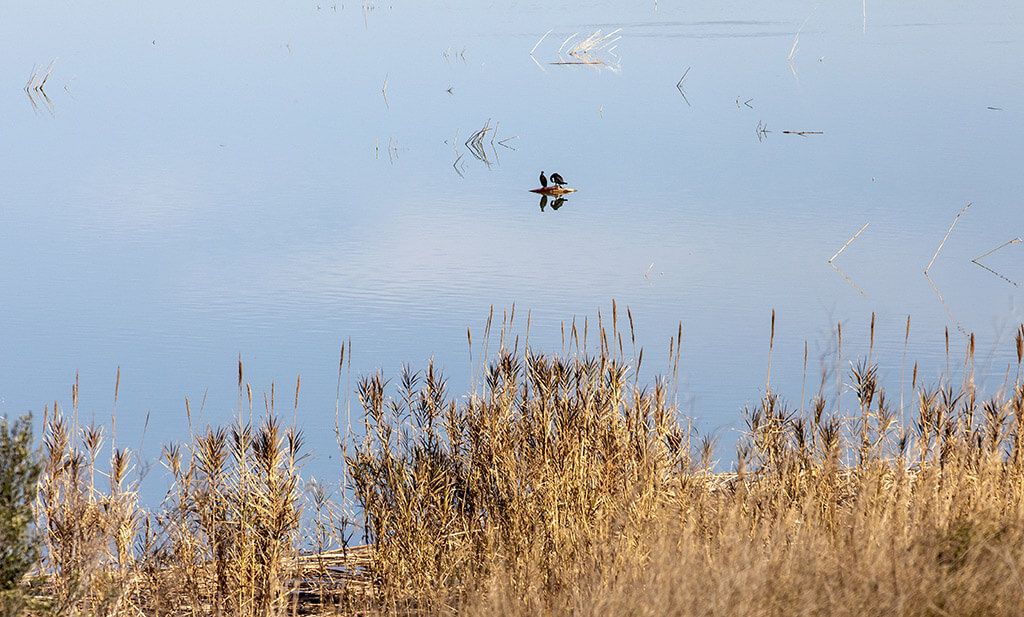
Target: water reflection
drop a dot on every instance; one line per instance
(180, 253)
(1004, 278)
(555, 205)
(846, 278)
(35, 88)
(977, 260)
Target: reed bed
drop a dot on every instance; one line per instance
(562, 484)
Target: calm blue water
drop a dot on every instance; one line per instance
(209, 180)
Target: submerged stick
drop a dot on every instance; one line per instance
(848, 242)
(983, 266)
(945, 307)
(847, 279)
(946, 237)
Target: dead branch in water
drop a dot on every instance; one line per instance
(679, 86)
(761, 131)
(540, 41)
(569, 62)
(946, 237)
(977, 260)
(848, 243)
(475, 143)
(478, 140)
(595, 42)
(35, 87)
(846, 278)
(583, 51)
(1004, 244)
(984, 267)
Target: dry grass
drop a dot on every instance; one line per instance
(223, 541)
(562, 485)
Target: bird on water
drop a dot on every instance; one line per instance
(557, 179)
(543, 180)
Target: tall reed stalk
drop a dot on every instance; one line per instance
(561, 485)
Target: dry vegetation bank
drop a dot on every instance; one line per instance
(562, 486)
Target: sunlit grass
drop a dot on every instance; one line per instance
(562, 484)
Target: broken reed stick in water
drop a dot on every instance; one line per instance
(566, 41)
(1016, 240)
(848, 242)
(595, 41)
(946, 237)
(849, 281)
(540, 41)
(977, 260)
(583, 51)
(679, 84)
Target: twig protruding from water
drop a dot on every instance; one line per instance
(848, 242)
(1016, 240)
(475, 143)
(946, 237)
(977, 260)
(540, 41)
(761, 131)
(36, 86)
(679, 86)
(584, 51)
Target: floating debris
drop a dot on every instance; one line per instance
(585, 51)
(553, 190)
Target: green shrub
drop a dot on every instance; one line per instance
(19, 472)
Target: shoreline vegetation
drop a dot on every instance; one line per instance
(561, 485)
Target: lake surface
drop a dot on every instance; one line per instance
(203, 181)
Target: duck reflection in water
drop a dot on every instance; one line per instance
(555, 205)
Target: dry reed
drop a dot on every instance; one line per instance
(561, 485)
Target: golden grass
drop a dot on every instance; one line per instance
(223, 542)
(562, 485)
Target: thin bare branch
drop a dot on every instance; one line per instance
(946, 237)
(848, 242)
